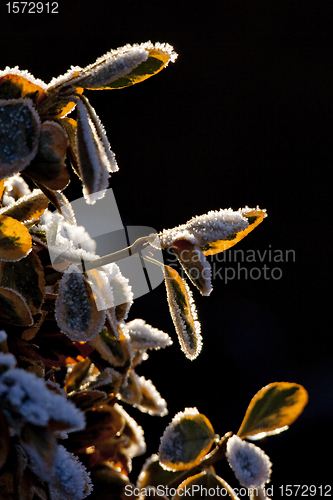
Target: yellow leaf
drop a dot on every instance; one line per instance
(14, 86)
(255, 217)
(183, 313)
(273, 409)
(15, 240)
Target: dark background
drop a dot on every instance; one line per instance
(244, 117)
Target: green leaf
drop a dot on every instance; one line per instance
(186, 440)
(48, 167)
(183, 313)
(19, 135)
(15, 239)
(273, 409)
(206, 480)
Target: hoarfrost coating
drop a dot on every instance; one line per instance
(250, 464)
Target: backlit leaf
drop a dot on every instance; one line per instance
(116, 351)
(76, 311)
(208, 481)
(186, 440)
(183, 313)
(15, 84)
(255, 217)
(19, 134)
(273, 409)
(25, 277)
(75, 377)
(195, 265)
(153, 474)
(94, 164)
(125, 66)
(15, 240)
(48, 167)
(13, 308)
(30, 206)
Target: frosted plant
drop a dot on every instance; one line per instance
(250, 464)
(69, 365)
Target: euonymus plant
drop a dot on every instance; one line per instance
(69, 349)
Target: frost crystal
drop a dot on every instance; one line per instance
(144, 336)
(23, 73)
(25, 398)
(70, 476)
(202, 229)
(250, 464)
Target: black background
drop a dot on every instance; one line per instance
(244, 117)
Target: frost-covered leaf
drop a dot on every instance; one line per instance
(215, 231)
(26, 278)
(183, 313)
(69, 476)
(195, 265)
(88, 399)
(144, 336)
(130, 392)
(121, 290)
(49, 167)
(254, 216)
(40, 445)
(125, 66)
(76, 312)
(273, 409)
(19, 135)
(151, 401)
(15, 240)
(13, 308)
(250, 464)
(30, 206)
(186, 440)
(135, 444)
(206, 480)
(94, 164)
(25, 398)
(153, 474)
(116, 351)
(15, 83)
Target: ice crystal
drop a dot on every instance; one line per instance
(172, 443)
(202, 229)
(15, 187)
(250, 464)
(70, 476)
(25, 398)
(144, 336)
(23, 73)
(122, 291)
(151, 402)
